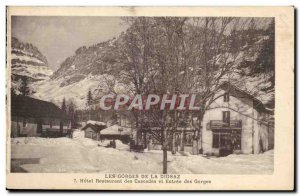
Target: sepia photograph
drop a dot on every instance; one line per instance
(126, 95)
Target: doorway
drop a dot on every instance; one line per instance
(227, 140)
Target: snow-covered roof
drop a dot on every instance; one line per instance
(115, 130)
(92, 122)
(95, 127)
(257, 103)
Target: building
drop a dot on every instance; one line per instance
(33, 117)
(92, 129)
(236, 122)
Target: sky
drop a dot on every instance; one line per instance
(57, 37)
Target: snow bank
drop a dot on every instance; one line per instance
(104, 143)
(41, 141)
(121, 146)
(78, 134)
(85, 155)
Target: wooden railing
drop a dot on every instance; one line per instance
(218, 124)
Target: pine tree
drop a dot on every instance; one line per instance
(89, 98)
(63, 105)
(24, 88)
(89, 102)
(71, 112)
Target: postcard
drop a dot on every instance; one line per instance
(150, 98)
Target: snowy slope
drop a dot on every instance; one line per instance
(55, 91)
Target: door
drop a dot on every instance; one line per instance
(39, 126)
(222, 139)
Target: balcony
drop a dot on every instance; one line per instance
(219, 124)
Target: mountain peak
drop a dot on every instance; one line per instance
(27, 62)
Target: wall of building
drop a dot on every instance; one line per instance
(30, 129)
(256, 134)
(264, 137)
(90, 133)
(240, 109)
(31, 126)
(55, 123)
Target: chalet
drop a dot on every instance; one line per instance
(236, 122)
(92, 129)
(33, 117)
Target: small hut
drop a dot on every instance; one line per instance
(92, 129)
(116, 132)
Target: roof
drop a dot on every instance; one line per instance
(95, 127)
(96, 122)
(237, 92)
(115, 130)
(25, 106)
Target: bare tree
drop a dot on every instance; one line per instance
(167, 55)
(213, 63)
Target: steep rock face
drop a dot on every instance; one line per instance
(94, 60)
(93, 67)
(258, 84)
(90, 68)
(27, 62)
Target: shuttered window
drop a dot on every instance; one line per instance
(226, 116)
(226, 97)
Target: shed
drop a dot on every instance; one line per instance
(116, 132)
(92, 130)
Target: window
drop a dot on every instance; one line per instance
(227, 139)
(226, 97)
(216, 140)
(221, 139)
(24, 122)
(226, 116)
(188, 138)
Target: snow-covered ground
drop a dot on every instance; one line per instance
(88, 156)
